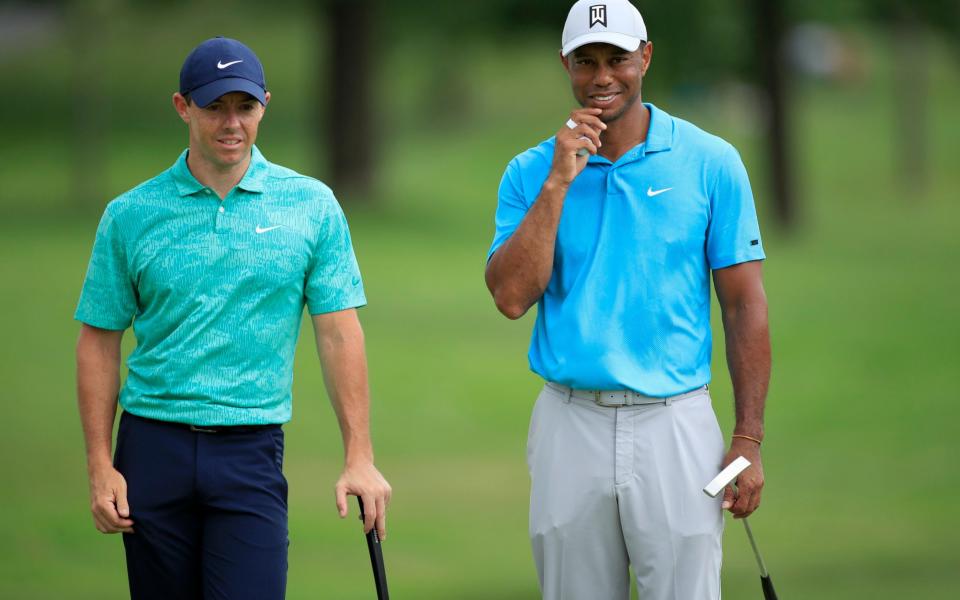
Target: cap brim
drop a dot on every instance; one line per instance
(205, 94)
(621, 40)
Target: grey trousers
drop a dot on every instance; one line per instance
(614, 487)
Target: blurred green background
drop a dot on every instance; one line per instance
(861, 451)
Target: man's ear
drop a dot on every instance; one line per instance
(180, 105)
(646, 56)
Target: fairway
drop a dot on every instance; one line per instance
(863, 312)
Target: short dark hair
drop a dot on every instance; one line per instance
(187, 98)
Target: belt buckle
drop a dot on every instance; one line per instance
(599, 402)
(201, 429)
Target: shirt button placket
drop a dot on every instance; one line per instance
(221, 221)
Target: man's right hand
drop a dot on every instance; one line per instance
(108, 501)
(567, 164)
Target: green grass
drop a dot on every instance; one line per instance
(863, 319)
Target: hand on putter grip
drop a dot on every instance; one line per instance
(365, 481)
(743, 499)
(108, 501)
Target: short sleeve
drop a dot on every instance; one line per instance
(108, 299)
(511, 206)
(333, 278)
(733, 235)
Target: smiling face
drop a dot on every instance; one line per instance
(608, 77)
(223, 132)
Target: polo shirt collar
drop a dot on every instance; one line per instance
(659, 138)
(660, 132)
(253, 179)
(182, 177)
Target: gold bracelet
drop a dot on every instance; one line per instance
(747, 437)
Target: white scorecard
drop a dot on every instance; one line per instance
(726, 476)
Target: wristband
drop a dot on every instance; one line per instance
(747, 437)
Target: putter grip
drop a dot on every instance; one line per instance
(768, 592)
(571, 124)
(376, 559)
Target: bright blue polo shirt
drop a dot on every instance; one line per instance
(215, 290)
(628, 304)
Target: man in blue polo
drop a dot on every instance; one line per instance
(212, 262)
(613, 228)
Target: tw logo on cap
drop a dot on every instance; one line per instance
(598, 15)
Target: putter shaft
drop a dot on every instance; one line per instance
(756, 551)
(765, 582)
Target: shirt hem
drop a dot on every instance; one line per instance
(736, 259)
(207, 418)
(111, 325)
(324, 309)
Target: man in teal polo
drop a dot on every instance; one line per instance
(212, 262)
(613, 228)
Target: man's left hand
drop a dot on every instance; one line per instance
(365, 481)
(745, 498)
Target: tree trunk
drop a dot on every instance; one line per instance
(770, 31)
(90, 106)
(910, 102)
(351, 131)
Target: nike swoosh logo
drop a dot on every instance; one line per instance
(221, 65)
(260, 230)
(652, 193)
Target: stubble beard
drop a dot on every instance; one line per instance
(631, 101)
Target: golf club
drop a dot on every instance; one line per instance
(717, 485)
(376, 559)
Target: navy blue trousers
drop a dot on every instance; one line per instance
(209, 511)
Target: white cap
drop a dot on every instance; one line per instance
(614, 22)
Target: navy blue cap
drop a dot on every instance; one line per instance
(219, 66)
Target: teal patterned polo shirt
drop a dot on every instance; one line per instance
(215, 290)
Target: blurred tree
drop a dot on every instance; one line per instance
(911, 92)
(770, 30)
(86, 22)
(702, 41)
(351, 131)
(907, 23)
